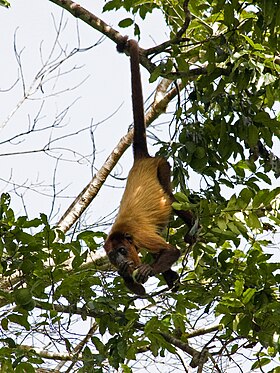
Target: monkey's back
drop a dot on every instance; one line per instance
(145, 205)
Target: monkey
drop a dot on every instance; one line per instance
(146, 204)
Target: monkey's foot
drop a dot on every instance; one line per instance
(142, 273)
(134, 286)
(172, 279)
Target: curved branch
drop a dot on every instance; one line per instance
(178, 37)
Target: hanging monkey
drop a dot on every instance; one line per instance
(146, 204)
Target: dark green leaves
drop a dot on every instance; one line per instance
(4, 3)
(126, 22)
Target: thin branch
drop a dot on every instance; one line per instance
(47, 354)
(178, 37)
(77, 350)
(79, 12)
(204, 331)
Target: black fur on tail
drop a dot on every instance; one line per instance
(140, 149)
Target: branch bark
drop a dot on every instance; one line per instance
(77, 351)
(47, 354)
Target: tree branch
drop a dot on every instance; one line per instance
(95, 22)
(47, 354)
(178, 37)
(78, 349)
(198, 358)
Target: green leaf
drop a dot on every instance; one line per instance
(24, 367)
(262, 117)
(247, 295)
(111, 5)
(22, 296)
(238, 287)
(19, 319)
(253, 221)
(244, 326)
(222, 224)
(4, 3)
(255, 46)
(181, 197)
(253, 135)
(98, 344)
(232, 302)
(229, 14)
(260, 198)
(5, 323)
(126, 22)
(177, 206)
(246, 195)
(263, 177)
(234, 348)
(126, 368)
(261, 363)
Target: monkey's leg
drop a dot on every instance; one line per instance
(165, 259)
(164, 176)
(171, 278)
(133, 286)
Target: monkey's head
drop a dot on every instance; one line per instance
(123, 254)
(121, 249)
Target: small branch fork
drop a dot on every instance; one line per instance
(95, 22)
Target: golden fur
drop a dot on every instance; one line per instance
(145, 207)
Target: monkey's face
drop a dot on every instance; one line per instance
(122, 252)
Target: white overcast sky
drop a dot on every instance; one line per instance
(106, 89)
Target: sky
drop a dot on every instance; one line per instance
(99, 86)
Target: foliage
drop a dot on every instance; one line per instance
(226, 124)
(4, 3)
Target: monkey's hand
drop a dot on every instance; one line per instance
(142, 273)
(122, 44)
(125, 269)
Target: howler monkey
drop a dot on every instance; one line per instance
(145, 207)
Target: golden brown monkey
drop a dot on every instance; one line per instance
(146, 204)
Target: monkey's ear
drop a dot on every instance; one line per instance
(128, 237)
(122, 45)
